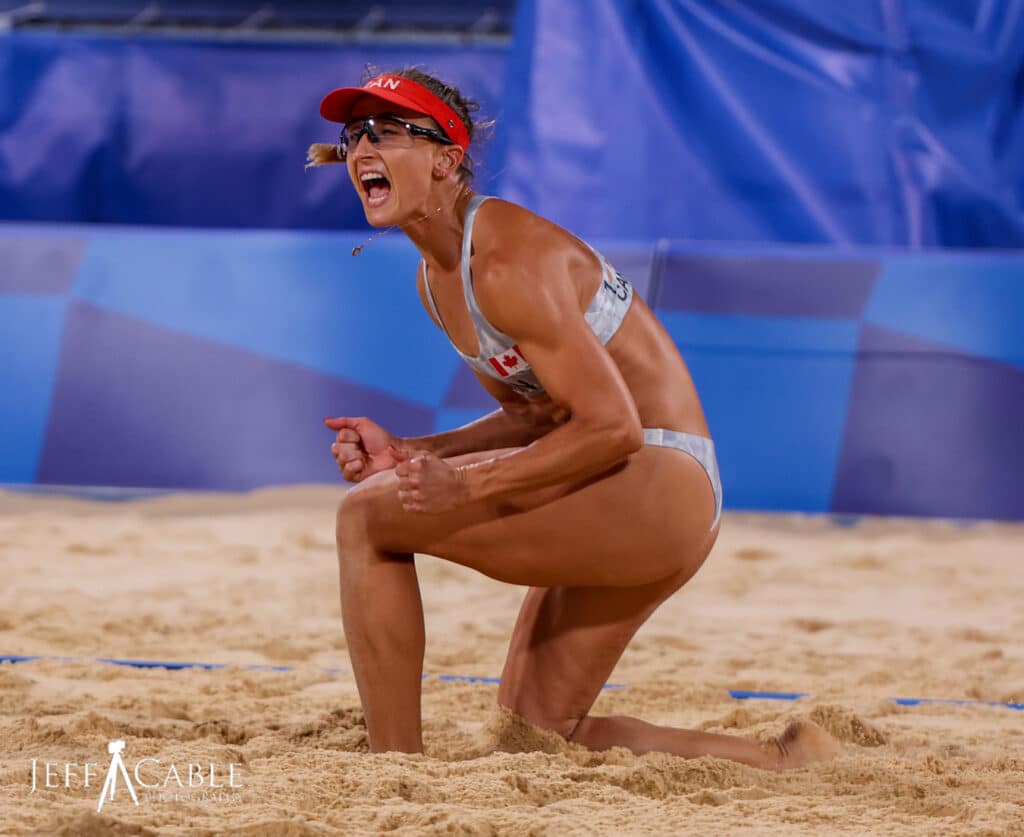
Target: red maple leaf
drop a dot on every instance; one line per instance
(510, 361)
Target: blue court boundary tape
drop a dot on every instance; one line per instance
(179, 666)
(736, 694)
(740, 694)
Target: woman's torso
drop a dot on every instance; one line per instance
(644, 353)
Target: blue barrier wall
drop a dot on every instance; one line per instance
(867, 381)
(770, 120)
(864, 383)
(194, 133)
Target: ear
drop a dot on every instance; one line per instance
(448, 160)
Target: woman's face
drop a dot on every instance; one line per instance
(392, 179)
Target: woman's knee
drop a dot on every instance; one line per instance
(358, 511)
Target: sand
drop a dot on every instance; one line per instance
(851, 614)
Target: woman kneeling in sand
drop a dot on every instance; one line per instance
(595, 483)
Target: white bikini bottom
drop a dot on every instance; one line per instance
(700, 448)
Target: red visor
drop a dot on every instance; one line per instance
(337, 105)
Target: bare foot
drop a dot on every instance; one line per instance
(804, 742)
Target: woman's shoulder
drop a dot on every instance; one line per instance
(520, 258)
(507, 233)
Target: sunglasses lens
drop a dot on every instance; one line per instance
(383, 132)
(352, 133)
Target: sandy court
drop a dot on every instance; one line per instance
(852, 614)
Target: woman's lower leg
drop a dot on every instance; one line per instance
(382, 615)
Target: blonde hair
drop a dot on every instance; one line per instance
(322, 153)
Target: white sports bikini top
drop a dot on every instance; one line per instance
(499, 354)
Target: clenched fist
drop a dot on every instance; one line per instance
(427, 484)
(361, 448)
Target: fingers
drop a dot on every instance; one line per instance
(352, 471)
(405, 455)
(350, 459)
(338, 423)
(347, 446)
(412, 481)
(410, 463)
(418, 480)
(411, 500)
(344, 451)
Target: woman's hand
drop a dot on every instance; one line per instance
(427, 484)
(362, 447)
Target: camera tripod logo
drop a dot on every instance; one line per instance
(117, 766)
(165, 782)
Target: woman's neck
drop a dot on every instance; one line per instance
(437, 234)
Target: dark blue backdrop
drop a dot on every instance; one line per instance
(771, 120)
(193, 133)
(764, 120)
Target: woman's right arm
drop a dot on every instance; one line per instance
(363, 448)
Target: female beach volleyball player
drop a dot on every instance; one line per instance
(594, 484)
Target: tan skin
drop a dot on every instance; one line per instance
(556, 493)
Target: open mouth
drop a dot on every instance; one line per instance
(377, 188)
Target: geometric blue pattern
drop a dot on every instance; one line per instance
(819, 412)
(793, 282)
(30, 339)
(931, 432)
(251, 290)
(971, 304)
(154, 408)
(752, 374)
(38, 264)
(209, 359)
(780, 335)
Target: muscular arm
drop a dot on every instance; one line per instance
(533, 300)
(514, 424)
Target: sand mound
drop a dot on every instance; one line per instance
(509, 733)
(848, 726)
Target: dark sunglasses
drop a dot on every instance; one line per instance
(385, 131)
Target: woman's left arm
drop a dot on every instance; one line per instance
(534, 301)
(543, 315)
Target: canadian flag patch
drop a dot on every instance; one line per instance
(509, 362)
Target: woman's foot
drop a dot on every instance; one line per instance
(804, 742)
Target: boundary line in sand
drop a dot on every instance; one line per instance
(736, 694)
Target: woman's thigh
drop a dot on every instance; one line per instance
(567, 641)
(643, 520)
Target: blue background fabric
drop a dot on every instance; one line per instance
(890, 122)
(192, 133)
(869, 382)
(896, 122)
